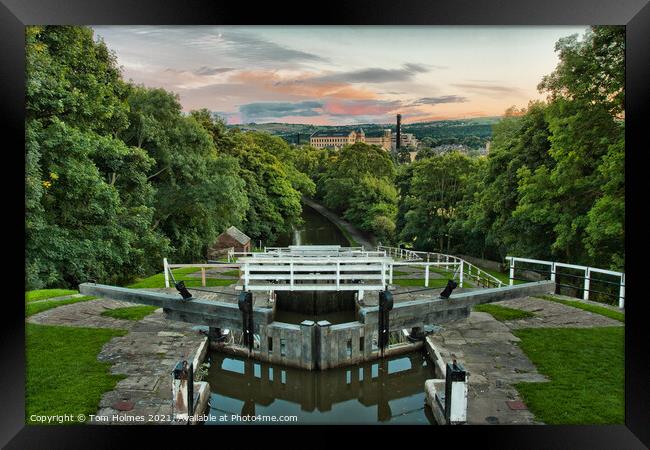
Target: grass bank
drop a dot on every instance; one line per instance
(35, 308)
(586, 371)
(130, 312)
(502, 313)
(158, 280)
(616, 315)
(63, 375)
(42, 294)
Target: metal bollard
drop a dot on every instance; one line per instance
(455, 393)
(182, 391)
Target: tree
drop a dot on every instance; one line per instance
(88, 203)
(437, 186)
(198, 191)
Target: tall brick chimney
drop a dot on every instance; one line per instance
(398, 137)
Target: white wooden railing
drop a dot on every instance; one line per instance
(553, 266)
(466, 270)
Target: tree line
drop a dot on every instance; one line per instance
(117, 176)
(551, 187)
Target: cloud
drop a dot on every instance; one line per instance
(374, 75)
(440, 99)
(492, 90)
(205, 70)
(361, 107)
(299, 84)
(266, 110)
(251, 47)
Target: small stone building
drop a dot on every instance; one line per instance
(233, 239)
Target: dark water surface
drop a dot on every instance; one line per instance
(316, 230)
(389, 391)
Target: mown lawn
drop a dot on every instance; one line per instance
(130, 312)
(35, 308)
(616, 315)
(586, 371)
(63, 375)
(42, 294)
(158, 280)
(503, 313)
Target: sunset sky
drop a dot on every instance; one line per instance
(340, 75)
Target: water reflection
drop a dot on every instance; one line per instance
(316, 229)
(383, 391)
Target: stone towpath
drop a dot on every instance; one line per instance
(489, 351)
(146, 356)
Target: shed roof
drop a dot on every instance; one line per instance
(238, 235)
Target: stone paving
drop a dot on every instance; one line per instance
(486, 347)
(489, 352)
(146, 356)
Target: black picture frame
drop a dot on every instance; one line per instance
(634, 14)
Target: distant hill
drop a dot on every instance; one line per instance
(474, 132)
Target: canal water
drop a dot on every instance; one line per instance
(316, 229)
(388, 391)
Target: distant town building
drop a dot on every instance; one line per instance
(338, 139)
(381, 138)
(406, 140)
(232, 238)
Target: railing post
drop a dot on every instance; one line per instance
(166, 269)
(291, 274)
(621, 293)
(426, 276)
(585, 295)
(553, 271)
(383, 274)
(338, 275)
(246, 274)
(390, 274)
(462, 267)
(203, 276)
(512, 270)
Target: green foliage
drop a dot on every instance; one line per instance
(37, 307)
(553, 184)
(130, 312)
(359, 184)
(502, 313)
(585, 365)
(88, 205)
(616, 315)
(42, 294)
(198, 193)
(117, 177)
(62, 373)
(436, 187)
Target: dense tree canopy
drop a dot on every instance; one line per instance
(553, 184)
(118, 176)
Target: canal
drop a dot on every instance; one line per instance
(315, 230)
(388, 391)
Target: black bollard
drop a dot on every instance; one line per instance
(451, 285)
(245, 304)
(385, 305)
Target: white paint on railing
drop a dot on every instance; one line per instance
(586, 270)
(166, 269)
(585, 295)
(449, 262)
